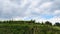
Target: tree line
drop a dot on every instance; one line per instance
(29, 22)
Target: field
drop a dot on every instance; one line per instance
(27, 27)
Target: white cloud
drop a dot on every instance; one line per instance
(57, 12)
(27, 8)
(17, 18)
(54, 20)
(43, 8)
(35, 3)
(46, 5)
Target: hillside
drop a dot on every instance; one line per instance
(27, 27)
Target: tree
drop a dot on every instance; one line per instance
(57, 24)
(48, 23)
(42, 23)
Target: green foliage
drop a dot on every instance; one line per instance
(27, 27)
(48, 23)
(57, 24)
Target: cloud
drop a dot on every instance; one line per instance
(54, 20)
(40, 10)
(57, 11)
(46, 5)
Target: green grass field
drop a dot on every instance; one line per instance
(27, 27)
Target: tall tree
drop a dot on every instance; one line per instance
(57, 24)
(48, 23)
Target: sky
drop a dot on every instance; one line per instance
(39, 10)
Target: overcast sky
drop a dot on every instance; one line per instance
(39, 10)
